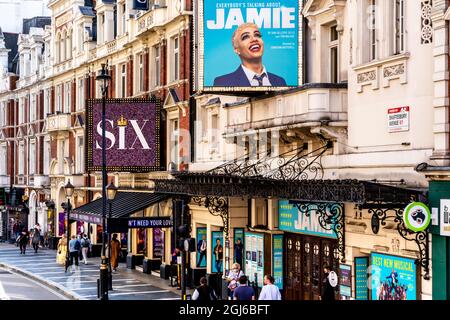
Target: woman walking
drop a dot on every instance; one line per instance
(36, 238)
(23, 241)
(62, 250)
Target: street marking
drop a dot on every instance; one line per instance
(128, 293)
(58, 272)
(126, 280)
(117, 287)
(3, 295)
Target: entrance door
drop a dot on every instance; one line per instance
(305, 258)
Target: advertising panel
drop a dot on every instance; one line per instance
(254, 262)
(218, 251)
(445, 218)
(259, 39)
(202, 246)
(158, 243)
(62, 223)
(361, 290)
(398, 119)
(239, 246)
(393, 278)
(345, 280)
(291, 219)
(132, 135)
(277, 262)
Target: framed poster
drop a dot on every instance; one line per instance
(217, 251)
(62, 223)
(277, 260)
(361, 278)
(393, 278)
(202, 247)
(254, 265)
(238, 246)
(158, 243)
(345, 280)
(444, 220)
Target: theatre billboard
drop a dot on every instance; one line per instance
(132, 135)
(248, 46)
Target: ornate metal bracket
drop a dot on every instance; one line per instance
(331, 216)
(420, 238)
(217, 206)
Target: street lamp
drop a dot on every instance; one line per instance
(111, 191)
(103, 78)
(68, 189)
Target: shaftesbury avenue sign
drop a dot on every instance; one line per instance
(132, 135)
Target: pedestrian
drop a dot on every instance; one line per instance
(269, 291)
(218, 252)
(17, 231)
(204, 292)
(175, 255)
(80, 254)
(233, 278)
(85, 246)
(74, 247)
(62, 250)
(115, 252)
(23, 240)
(243, 291)
(327, 288)
(36, 238)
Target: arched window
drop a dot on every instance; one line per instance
(63, 47)
(69, 45)
(57, 49)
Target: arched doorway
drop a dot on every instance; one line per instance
(32, 215)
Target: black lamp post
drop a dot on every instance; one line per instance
(68, 189)
(104, 79)
(111, 191)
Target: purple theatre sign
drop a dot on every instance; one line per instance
(132, 135)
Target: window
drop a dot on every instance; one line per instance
(3, 114)
(123, 19)
(62, 47)
(46, 157)
(32, 107)
(334, 58)
(80, 154)
(399, 27)
(46, 102)
(261, 210)
(141, 73)
(214, 129)
(21, 111)
(157, 81)
(176, 59)
(174, 142)
(80, 96)
(67, 96)
(3, 160)
(62, 147)
(21, 158)
(59, 98)
(69, 45)
(32, 158)
(123, 80)
(373, 33)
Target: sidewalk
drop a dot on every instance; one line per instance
(81, 283)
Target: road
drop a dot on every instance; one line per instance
(16, 287)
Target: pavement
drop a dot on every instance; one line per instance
(80, 283)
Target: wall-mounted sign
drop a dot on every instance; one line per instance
(398, 119)
(291, 219)
(123, 224)
(86, 218)
(417, 216)
(268, 48)
(277, 259)
(393, 278)
(132, 135)
(361, 288)
(140, 4)
(254, 257)
(202, 246)
(345, 280)
(445, 217)
(218, 251)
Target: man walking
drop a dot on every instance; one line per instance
(74, 247)
(243, 292)
(85, 245)
(269, 291)
(328, 284)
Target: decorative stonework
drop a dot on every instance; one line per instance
(426, 23)
(395, 70)
(367, 76)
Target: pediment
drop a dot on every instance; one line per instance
(313, 7)
(20, 133)
(31, 131)
(171, 99)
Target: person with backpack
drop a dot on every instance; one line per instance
(204, 292)
(74, 247)
(23, 240)
(36, 238)
(85, 246)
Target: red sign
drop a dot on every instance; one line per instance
(398, 119)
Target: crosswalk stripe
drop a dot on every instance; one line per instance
(128, 293)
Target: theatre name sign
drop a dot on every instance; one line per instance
(123, 224)
(132, 128)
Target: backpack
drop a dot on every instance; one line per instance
(77, 245)
(85, 243)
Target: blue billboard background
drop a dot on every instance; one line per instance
(278, 22)
(393, 278)
(290, 219)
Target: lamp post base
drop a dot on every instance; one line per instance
(103, 292)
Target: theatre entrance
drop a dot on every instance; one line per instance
(305, 257)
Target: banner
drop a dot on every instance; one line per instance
(132, 135)
(217, 251)
(361, 289)
(292, 220)
(202, 247)
(239, 246)
(241, 32)
(277, 262)
(254, 259)
(140, 4)
(393, 278)
(345, 280)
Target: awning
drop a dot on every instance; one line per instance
(124, 205)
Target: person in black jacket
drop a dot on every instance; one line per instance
(204, 292)
(23, 240)
(327, 288)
